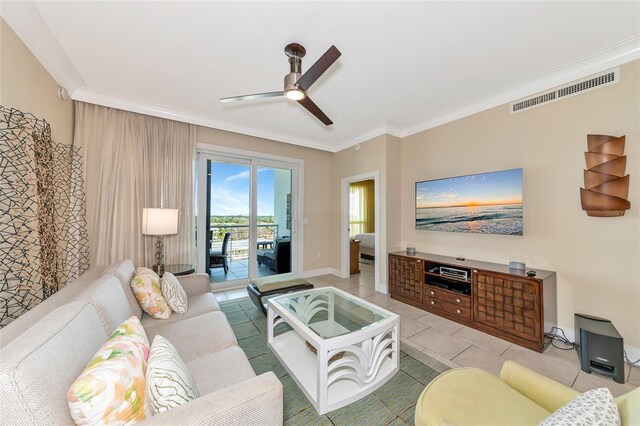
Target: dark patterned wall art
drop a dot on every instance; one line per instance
(43, 233)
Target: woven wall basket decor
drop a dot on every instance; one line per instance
(606, 188)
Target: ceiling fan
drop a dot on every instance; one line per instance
(296, 84)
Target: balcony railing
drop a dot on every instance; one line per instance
(238, 247)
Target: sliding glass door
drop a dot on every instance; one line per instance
(248, 218)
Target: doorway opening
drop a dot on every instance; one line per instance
(361, 235)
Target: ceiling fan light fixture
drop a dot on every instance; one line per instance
(295, 94)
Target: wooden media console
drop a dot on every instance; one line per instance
(489, 297)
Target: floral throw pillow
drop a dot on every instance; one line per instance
(169, 381)
(593, 408)
(174, 293)
(146, 287)
(111, 389)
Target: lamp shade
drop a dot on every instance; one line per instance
(159, 221)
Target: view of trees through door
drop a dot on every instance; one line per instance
(248, 231)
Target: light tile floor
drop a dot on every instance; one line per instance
(238, 269)
(457, 345)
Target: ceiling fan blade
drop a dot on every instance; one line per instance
(317, 69)
(315, 110)
(249, 97)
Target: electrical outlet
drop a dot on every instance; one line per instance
(318, 255)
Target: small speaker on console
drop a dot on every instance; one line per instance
(411, 250)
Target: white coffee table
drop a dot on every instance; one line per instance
(335, 323)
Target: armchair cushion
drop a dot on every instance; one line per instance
(488, 401)
(545, 392)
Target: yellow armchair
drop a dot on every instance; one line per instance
(470, 396)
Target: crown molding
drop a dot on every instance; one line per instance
(609, 57)
(113, 100)
(25, 20)
(27, 23)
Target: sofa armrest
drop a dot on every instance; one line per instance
(257, 401)
(542, 390)
(195, 284)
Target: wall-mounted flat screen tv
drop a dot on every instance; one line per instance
(486, 203)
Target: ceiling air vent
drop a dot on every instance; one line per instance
(590, 83)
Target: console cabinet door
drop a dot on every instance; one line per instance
(406, 277)
(508, 303)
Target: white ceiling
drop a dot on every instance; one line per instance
(405, 66)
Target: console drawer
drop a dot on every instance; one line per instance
(448, 296)
(451, 308)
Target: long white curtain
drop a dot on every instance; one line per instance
(132, 161)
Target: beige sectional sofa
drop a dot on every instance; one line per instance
(45, 350)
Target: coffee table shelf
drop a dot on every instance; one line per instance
(365, 337)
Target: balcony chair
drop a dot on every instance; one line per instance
(218, 259)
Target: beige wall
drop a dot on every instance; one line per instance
(597, 259)
(381, 154)
(27, 86)
(318, 208)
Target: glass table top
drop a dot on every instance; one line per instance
(329, 312)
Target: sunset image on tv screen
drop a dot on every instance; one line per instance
(488, 203)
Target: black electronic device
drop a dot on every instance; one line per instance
(600, 347)
(455, 286)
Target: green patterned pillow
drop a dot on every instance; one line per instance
(146, 287)
(174, 293)
(169, 381)
(111, 389)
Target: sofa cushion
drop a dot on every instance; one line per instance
(221, 369)
(124, 271)
(109, 300)
(65, 295)
(198, 305)
(174, 293)
(111, 389)
(146, 287)
(38, 367)
(450, 396)
(169, 382)
(197, 336)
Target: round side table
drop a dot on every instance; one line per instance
(180, 269)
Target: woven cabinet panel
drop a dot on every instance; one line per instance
(508, 303)
(405, 278)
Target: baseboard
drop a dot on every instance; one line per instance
(633, 353)
(321, 271)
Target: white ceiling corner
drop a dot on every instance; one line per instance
(435, 62)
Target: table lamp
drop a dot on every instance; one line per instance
(159, 222)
